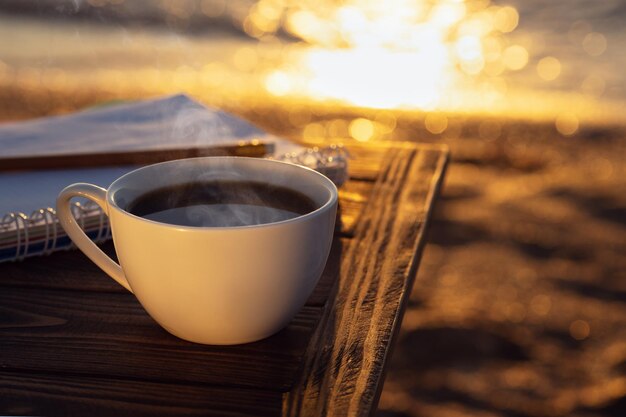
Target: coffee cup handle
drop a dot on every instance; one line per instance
(67, 220)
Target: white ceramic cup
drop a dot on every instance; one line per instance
(213, 285)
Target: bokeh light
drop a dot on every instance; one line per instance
(567, 123)
(594, 43)
(515, 57)
(423, 54)
(446, 56)
(361, 129)
(436, 123)
(506, 19)
(549, 68)
(580, 329)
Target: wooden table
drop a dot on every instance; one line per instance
(73, 342)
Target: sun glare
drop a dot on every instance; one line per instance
(423, 54)
(436, 56)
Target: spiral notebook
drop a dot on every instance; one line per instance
(29, 226)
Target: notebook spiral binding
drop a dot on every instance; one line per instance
(22, 236)
(331, 161)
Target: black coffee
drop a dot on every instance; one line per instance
(221, 204)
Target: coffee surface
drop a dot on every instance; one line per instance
(221, 204)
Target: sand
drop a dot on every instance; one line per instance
(519, 306)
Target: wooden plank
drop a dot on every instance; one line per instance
(71, 395)
(65, 270)
(345, 361)
(352, 198)
(90, 333)
(367, 158)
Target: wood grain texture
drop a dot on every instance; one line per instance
(110, 335)
(345, 361)
(76, 395)
(352, 197)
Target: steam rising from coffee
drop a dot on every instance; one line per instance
(186, 121)
(221, 204)
(202, 195)
(219, 196)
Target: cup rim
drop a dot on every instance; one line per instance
(323, 208)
